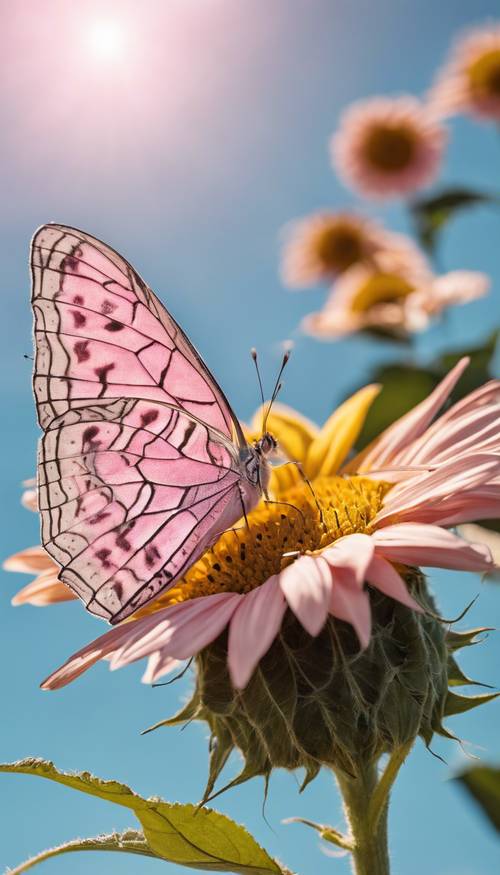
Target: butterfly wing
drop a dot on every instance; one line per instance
(138, 469)
(101, 333)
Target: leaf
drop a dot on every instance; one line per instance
(483, 783)
(327, 833)
(457, 640)
(183, 834)
(456, 704)
(456, 677)
(129, 842)
(431, 214)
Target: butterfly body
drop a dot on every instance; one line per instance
(143, 463)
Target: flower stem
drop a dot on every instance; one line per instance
(370, 853)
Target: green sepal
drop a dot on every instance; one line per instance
(457, 640)
(483, 783)
(456, 704)
(327, 833)
(456, 677)
(183, 834)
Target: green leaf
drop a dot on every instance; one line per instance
(431, 214)
(182, 834)
(327, 833)
(483, 783)
(456, 677)
(456, 704)
(128, 842)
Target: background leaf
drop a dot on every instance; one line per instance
(483, 783)
(405, 385)
(431, 214)
(183, 834)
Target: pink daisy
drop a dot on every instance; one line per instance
(388, 147)
(383, 513)
(470, 80)
(393, 301)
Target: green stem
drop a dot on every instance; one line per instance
(370, 854)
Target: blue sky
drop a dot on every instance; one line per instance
(188, 153)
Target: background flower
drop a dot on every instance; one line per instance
(388, 147)
(470, 80)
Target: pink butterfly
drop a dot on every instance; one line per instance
(142, 463)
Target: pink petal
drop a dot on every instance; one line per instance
(306, 585)
(410, 426)
(185, 628)
(30, 559)
(428, 545)
(458, 476)
(385, 578)
(352, 604)
(353, 554)
(45, 590)
(159, 664)
(137, 638)
(253, 627)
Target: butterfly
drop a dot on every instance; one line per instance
(142, 463)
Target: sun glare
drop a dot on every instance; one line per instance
(106, 39)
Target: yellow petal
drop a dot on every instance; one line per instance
(293, 432)
(327, 452)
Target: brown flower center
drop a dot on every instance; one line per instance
(484, 75)
(380, 288)
(390, 148)
(339, 247)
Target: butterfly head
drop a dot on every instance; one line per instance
(266, 445)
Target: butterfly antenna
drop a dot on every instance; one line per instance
(253, 353)
(277, 388)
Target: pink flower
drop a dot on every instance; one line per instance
(470, 80)
(323, 246)
(443, 472)
(388, 147)
(394, 301)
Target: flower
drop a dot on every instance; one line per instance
(388, 147)
(470, 80)
(394, 302)
(324, 548)
(324, 245)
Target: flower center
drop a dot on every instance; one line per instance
(339, 247)
(484, 75)
(390, 148)
(380, 288)
(245, 558)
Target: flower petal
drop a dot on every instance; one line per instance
(385, 578)
(329, 449)
(45, 590)
(306, 585)
(351, 554)
(30, 559)
(409, 427)
(253, 627)
(350, 603)
(427, 545)
(159, 664)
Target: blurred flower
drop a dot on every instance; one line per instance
(310, 555)
(324, 245)
(396, 303)
(388, 147)
(470, 80)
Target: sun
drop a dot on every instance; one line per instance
(106, 39)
